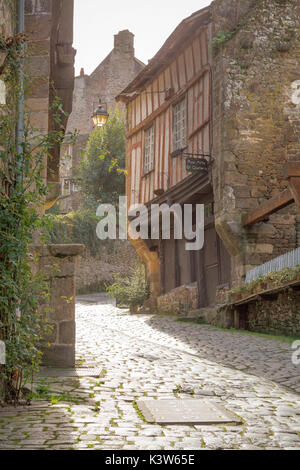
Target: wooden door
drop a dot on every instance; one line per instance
(213, 267)
(169, 273)
(209, 267)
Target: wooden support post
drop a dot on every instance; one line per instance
(236, 319)
(294, 184)
(229, 319)
(293, 174)
(201, 281)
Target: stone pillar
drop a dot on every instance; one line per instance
(57, 265)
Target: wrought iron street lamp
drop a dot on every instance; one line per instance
(100, 115)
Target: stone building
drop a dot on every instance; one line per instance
(107, 80)
(49, 63)
(231, 71)
(256, 128)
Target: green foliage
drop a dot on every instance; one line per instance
(22, 192)
(283, 339)
(130, 291)
(221, 38)
(44, 393)
(271, 280)
(103, 178)
(75, 227)
(139, 413)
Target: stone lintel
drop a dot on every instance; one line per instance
(62, 251)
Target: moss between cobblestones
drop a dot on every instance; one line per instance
(140, 414)
(284, 339)
(44, 393)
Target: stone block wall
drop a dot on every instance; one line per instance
(7, 28)
(6, 19)
(110, 77)
(94, 273)
(256, 126)
(57, 264)
(179, 300)
(70, 203)
(49, 69)
(277, 316)
(50, 65)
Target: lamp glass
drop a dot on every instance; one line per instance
(100, 119)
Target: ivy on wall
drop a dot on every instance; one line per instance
(23, 322)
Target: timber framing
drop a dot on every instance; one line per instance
(174, 44)
(193, 187)
(146, 122)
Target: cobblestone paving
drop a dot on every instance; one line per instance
(158, 357)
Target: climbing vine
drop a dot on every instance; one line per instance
(22, 192)
(221, 38)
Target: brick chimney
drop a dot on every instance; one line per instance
(124, 42)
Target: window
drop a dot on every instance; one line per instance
(179, 125)
(149, 150)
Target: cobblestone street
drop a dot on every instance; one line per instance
(144, 356)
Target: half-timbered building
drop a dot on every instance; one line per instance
(169, 126)
(213, 119)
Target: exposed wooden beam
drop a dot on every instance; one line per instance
(293, 175)
(168, 103)
(294, 185)
(292, 169)
(272, 205)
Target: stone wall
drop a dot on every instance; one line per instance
(7, 29)
(256, 126)
(50, 65)
(110, 77)
(6, 19)
(179, 300)
(70, 203)
(276, 316)
(93, 274)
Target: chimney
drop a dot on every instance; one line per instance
(82, 72)
(124, 42)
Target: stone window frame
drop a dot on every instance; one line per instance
(148, 161)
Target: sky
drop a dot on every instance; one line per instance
(151, 21)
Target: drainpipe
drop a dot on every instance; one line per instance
(20, 123)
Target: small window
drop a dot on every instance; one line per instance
(149, 150)
(179, 125)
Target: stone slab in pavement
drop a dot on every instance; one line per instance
(185, 411)
(76, 372)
